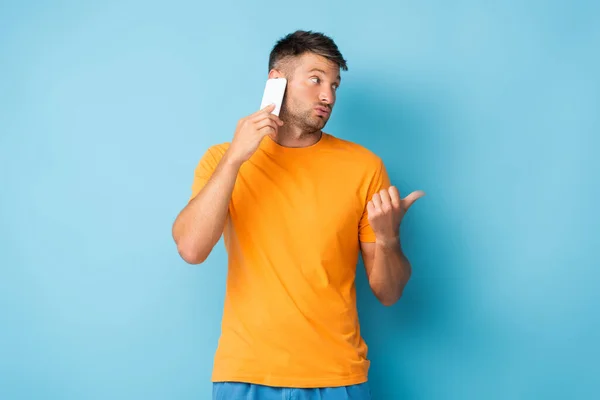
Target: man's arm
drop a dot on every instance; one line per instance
(387, 267)
(200, 224)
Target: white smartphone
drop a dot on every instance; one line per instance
(274, 92)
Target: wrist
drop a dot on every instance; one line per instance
(387, 241)
(231, 162)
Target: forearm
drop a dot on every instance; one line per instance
(391, 271)
(200, 224)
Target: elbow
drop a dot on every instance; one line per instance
(191, 256)
(191, 253)
(389, 300)
(387, 295)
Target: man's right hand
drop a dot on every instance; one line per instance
(249, 133)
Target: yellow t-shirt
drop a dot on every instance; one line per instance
(292, 235)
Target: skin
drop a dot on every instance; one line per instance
(312, 82)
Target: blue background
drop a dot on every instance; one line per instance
(493, 110)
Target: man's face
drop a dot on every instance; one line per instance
(311, 92)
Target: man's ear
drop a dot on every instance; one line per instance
(275, 73)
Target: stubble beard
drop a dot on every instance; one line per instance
(306, 120)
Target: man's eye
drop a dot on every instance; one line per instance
(315, 79)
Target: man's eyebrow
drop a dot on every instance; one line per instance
(339, 78)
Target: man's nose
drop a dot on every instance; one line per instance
(326, 96)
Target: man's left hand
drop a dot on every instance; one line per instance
(386, 210)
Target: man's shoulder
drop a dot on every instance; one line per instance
(215, 152)
(218, 149)
(212, 156)
(358, 151)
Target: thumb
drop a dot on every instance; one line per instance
(411, 198)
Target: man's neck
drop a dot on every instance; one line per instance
(293, 136)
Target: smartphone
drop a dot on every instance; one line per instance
(274, 92)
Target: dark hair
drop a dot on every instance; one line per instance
(300, 42)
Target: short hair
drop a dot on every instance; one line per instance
(297, 43)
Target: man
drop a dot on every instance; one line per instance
(295, 205)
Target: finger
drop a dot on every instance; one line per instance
(261, 116)
(394, 196)
(386, 202)
(411, 198)
(376, 201)
(267, 128)
(266, 122)
(370, 208)
(275, 118)
(265, 110)
(269, 108)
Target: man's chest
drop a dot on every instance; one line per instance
(309, 203)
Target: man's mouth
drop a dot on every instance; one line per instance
(323, 111)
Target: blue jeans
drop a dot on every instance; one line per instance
(248, 391)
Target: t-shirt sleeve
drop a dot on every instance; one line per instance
(380, 180)
(204, 170)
